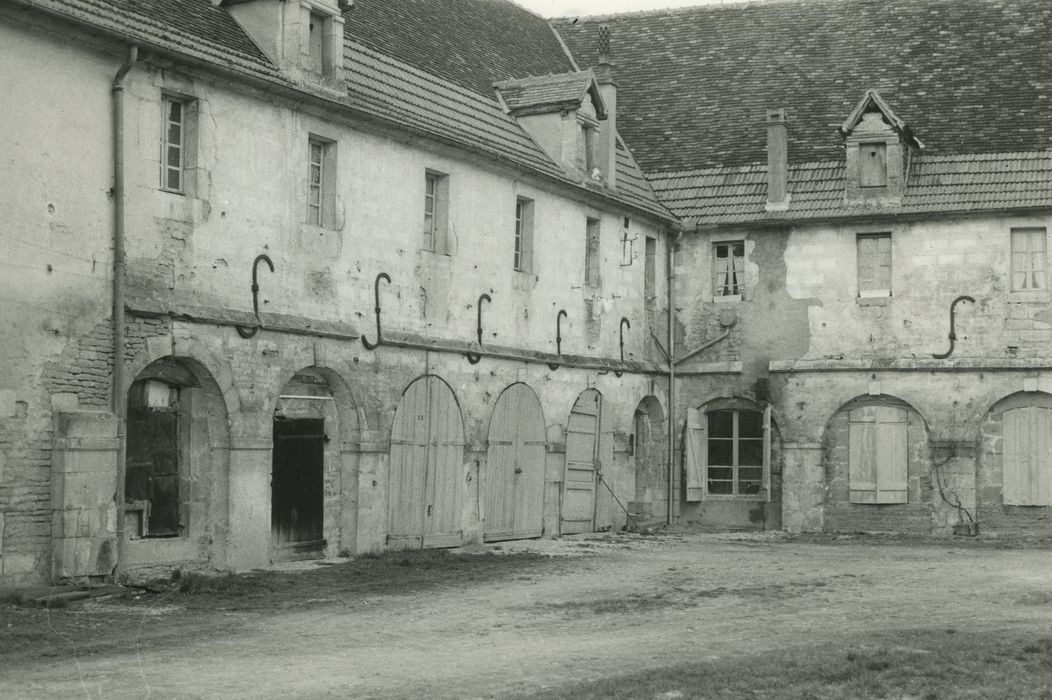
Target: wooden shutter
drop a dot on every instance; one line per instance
(767, 454)
(693, 454)
(878, 460)
(892, 457)
(1027, 462)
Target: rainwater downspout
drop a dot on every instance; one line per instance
(671, 348)
(119, 404)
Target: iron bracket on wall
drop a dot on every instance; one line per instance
(558, 337)
(953, 334)
(376, 299)
(624, 322)
(474, 357)
(249, 331)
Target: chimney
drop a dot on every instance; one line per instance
(777, 161)
(604, 74)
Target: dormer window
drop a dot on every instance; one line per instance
(304, 39)
(876, 149)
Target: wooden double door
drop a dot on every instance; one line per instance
(581, 479)
(514, 478)
(297, 488)
(427, 468)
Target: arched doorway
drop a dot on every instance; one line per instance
(581, 476)
(427, 459)
(648, 444)
(515, 467)
(175, 464)
(305, 423)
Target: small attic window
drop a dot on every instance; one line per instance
(873, 165)
(316, 43)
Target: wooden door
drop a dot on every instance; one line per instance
(579, 481)
(515, 467)
(297, 487)
(427, 457)
(153, 467)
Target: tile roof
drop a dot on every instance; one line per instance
(966, 75)
(937, 183)
(565, 90)
(380, 86)
(473, 43)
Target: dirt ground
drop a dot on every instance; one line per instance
(519, 618)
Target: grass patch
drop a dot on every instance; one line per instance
(928, 664)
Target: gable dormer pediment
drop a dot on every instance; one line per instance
(877, 145)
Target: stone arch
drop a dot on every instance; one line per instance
(313, 466)
(649, 443)
(177, 463)
(878, 466)
(733, 484)
(1016, 502)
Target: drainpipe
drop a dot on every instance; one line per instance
(671, 348)
(119, 403)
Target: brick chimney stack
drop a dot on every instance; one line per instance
(604, 74)
(777, 161)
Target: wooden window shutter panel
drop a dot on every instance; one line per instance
(767, 454)
(862, 463)
(694, 463)
(1041, 467)
(1015, 443)
(892, 456)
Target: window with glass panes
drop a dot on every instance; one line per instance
(173, 145)
(315, 182)
(1028, 258)
(523, 235)
(430, 211)
(734, 463)
(728, 270)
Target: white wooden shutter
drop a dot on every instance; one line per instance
(892, 456)
(1027, 462)
(694, 454)
(767, 454)
(862, 464)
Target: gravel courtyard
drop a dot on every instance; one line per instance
(524, 618)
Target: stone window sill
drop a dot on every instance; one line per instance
(1032, 296)
(727, 299)
(873, 301)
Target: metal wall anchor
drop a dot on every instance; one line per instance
(474, 357)
(624, 322)
(953, 334)
(249, 331)
(376, 299)
(558, 337)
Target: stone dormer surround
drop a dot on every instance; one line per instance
(563, 114)
(877, 150)
(304, 38)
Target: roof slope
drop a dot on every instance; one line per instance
(473, 43)
(967, 75)
(380, 86)
(937, 183)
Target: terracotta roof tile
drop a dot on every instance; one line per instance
(564, 90)
(937, 183)
(473, 43)
(968, 76)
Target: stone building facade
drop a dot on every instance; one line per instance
(408, 274)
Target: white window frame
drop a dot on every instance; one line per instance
(523, 245)
(436, 212)
(321, 182)
(733, 287)
(1027, 261)
(170, 146)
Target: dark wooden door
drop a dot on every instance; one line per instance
(153, 467)
(296, 487)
